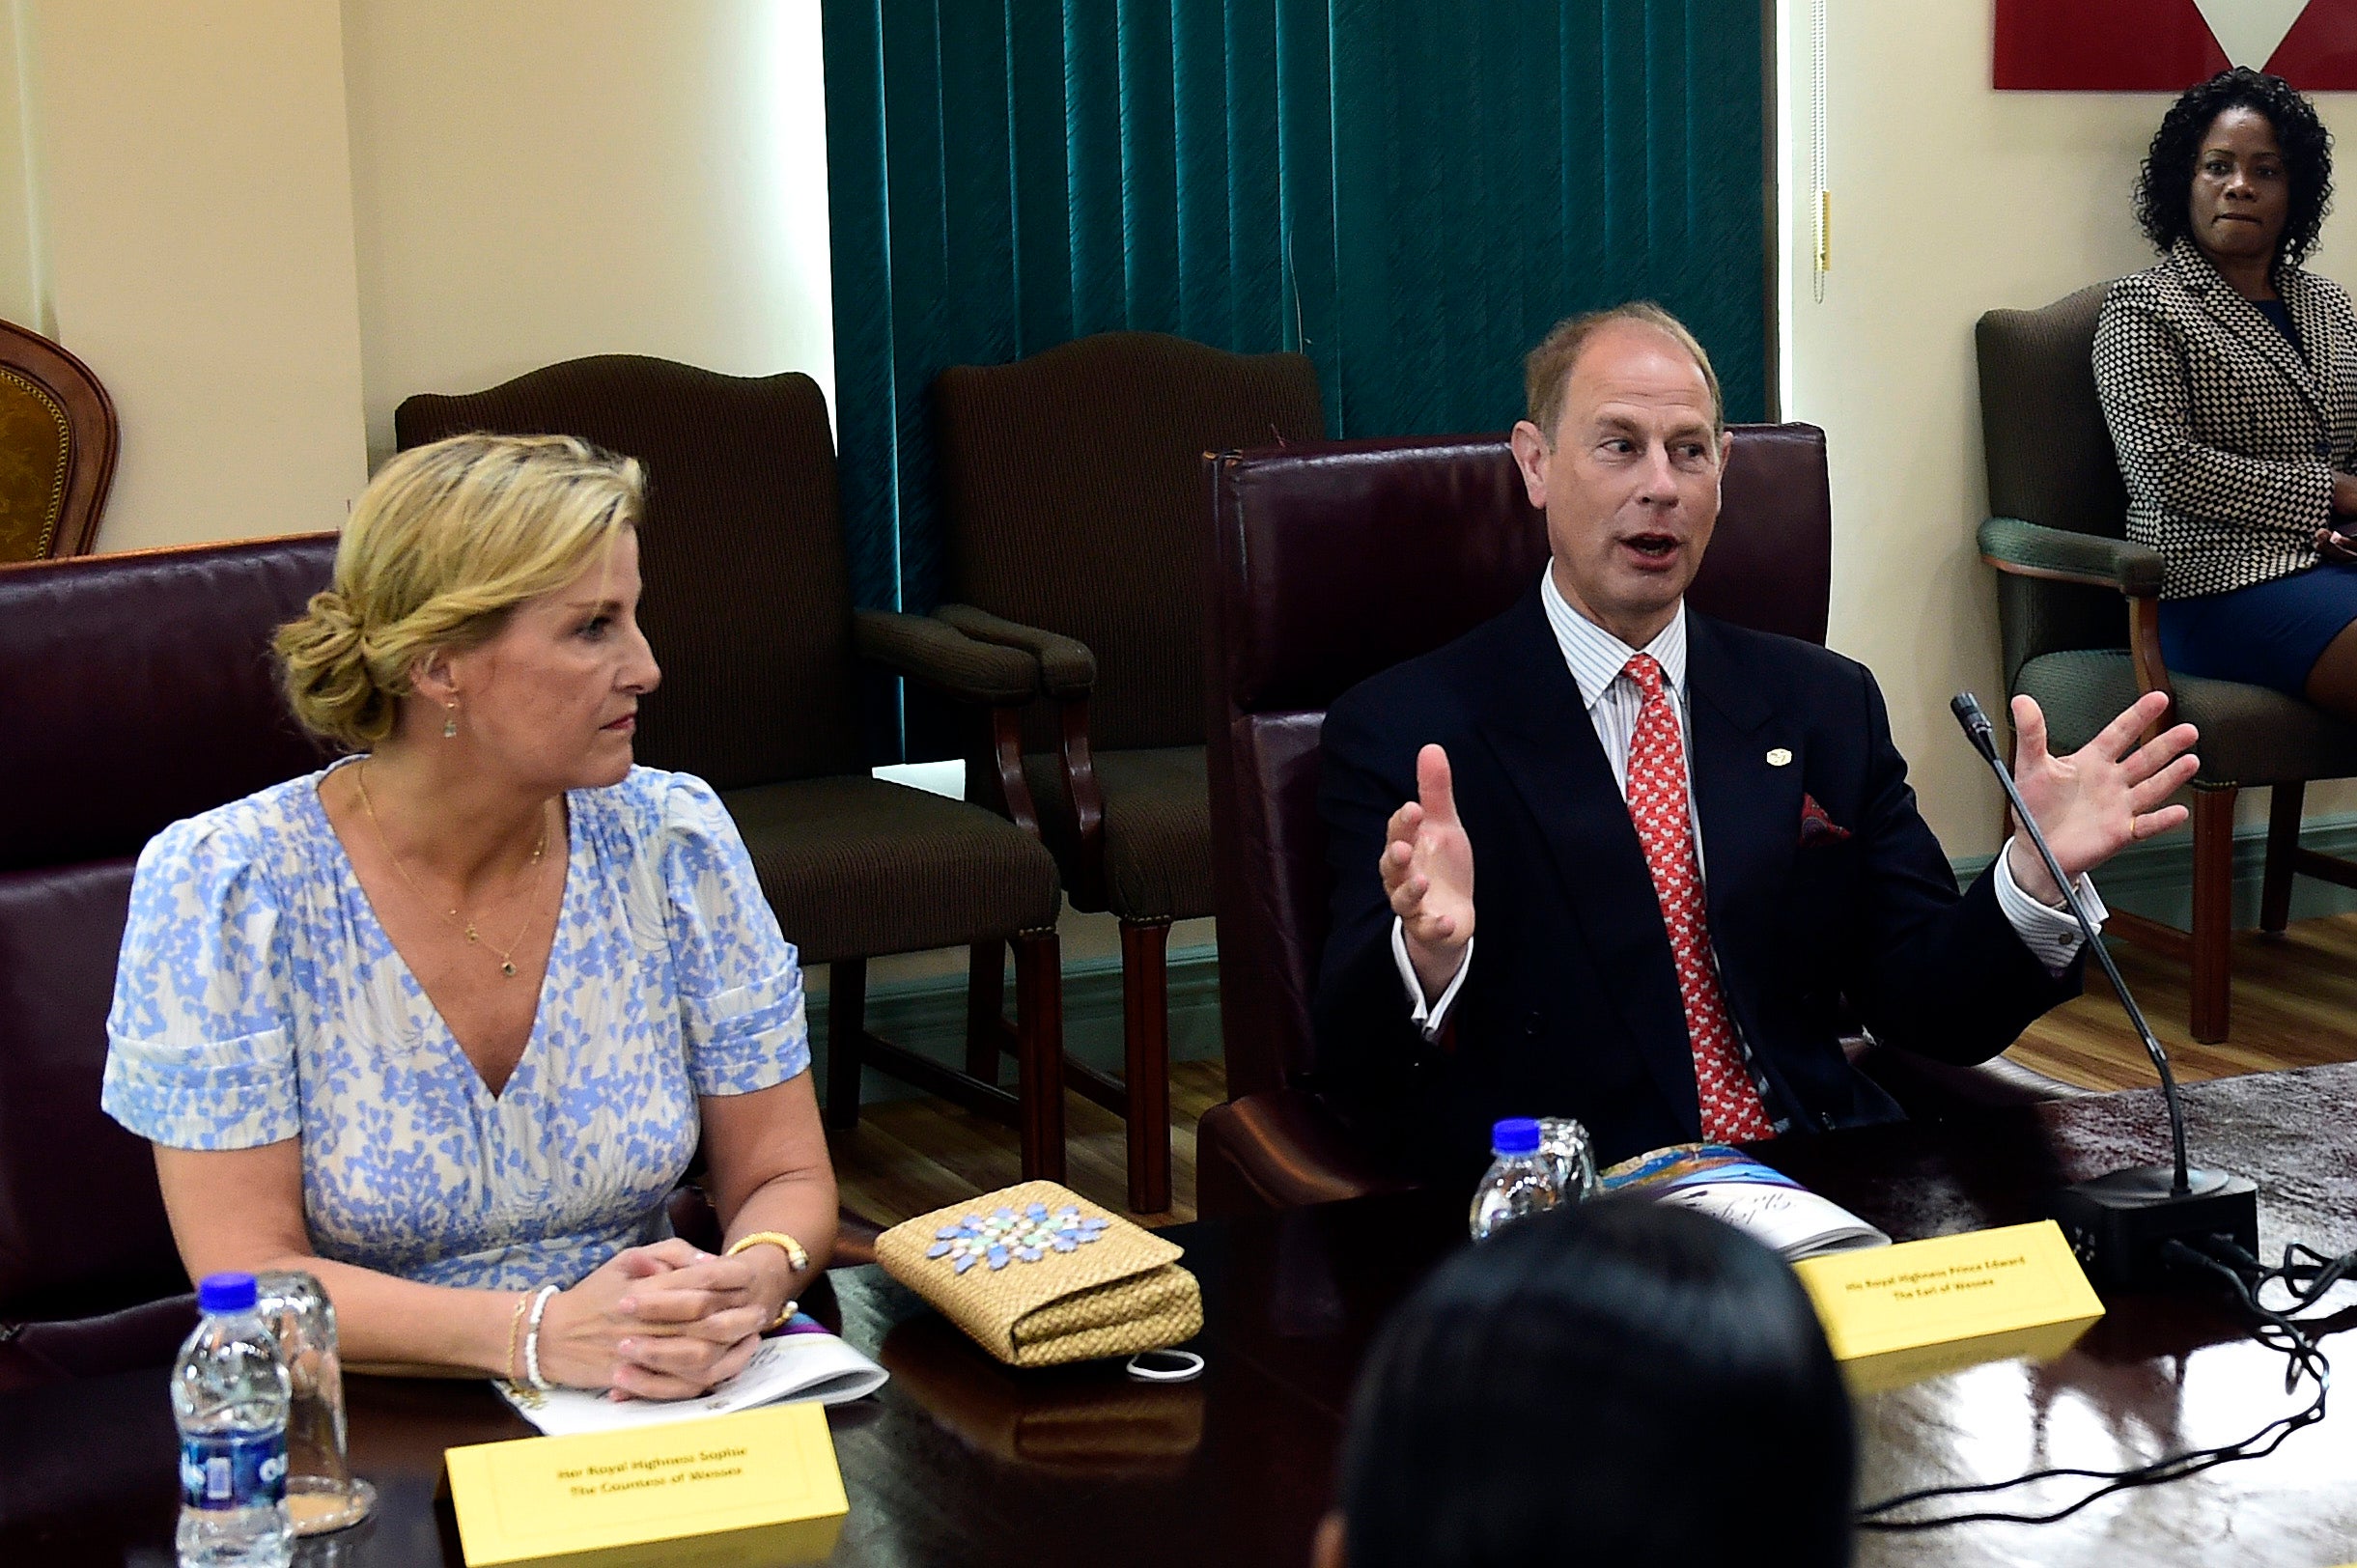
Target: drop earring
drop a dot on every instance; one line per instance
(450, 724)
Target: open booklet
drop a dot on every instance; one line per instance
(1727, 1184)
(801, 1362)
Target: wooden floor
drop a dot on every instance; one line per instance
(2295, 1005)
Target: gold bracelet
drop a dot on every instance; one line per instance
(798, 1259)
(515, 1329)
(795, 1254)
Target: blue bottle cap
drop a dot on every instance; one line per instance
(227, 1292)
(1516, 1134)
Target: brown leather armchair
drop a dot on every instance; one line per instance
(1073, 503)
(1313, 547)
(749, 609)
(58, 437)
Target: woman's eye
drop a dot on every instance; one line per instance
(596, 625)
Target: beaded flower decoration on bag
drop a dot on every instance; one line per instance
(1007, 1235)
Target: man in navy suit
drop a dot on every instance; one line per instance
(1696, 842)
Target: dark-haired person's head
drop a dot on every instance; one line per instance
(1621, 1382)
(2242, 167)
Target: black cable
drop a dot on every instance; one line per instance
(2305, 1274)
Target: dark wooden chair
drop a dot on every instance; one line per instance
(1072, 501)
(749, 609)
(58, 436)
(2078, 606)
(1318, 551)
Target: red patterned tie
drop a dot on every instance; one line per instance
(1732, 1111)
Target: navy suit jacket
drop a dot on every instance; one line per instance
(1572, 1005)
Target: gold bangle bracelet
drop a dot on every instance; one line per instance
(798, 1259)
(797, 1255)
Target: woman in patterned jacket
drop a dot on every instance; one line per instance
(445, 1022)
(2229, 378)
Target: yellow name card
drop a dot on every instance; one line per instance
(1898, 1313)
(766, 1476)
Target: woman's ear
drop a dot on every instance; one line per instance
(433, 677)
(1326, 1548)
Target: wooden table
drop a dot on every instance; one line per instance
(959, 1460)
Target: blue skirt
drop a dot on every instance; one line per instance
(2269, 634)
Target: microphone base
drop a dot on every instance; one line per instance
(2119, 1223)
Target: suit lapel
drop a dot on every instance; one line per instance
(1532, 714)
(1750, 812)
(2318, 332)
(2241, 318)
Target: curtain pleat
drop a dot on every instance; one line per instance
(1409, 191)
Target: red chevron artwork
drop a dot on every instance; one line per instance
(2167, 46)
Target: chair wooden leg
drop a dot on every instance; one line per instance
(846, 1035)
(1039, 1057)
(1145, 1008)
(2282, 849)
(2213, 910)
(985, 1009)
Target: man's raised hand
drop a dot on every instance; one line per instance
(1427, 868)
(2108, 795)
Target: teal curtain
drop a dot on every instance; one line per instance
(1409, 191)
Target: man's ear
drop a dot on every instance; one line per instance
(1326, 1548)
(1727, 449)
(1530, 456)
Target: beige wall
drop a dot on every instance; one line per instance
(264, 222)
(535, 180)
(193, 213)
(1950, 199)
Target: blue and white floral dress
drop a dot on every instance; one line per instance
(258, 999)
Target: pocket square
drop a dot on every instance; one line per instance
(1816, 827)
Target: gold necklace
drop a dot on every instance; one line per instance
(454, 916)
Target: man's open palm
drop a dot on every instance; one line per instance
(2101, 799)
(1427, 868)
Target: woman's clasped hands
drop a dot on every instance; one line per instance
(663, 1321)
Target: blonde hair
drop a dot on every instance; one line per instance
(444, 545)
(1547, 369)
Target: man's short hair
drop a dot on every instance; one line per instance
(1547, 368)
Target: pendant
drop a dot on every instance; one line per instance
(470, 932)
(507, 968)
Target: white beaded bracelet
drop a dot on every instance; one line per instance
(531, 1339)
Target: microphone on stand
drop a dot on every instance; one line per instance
(2118, 1224)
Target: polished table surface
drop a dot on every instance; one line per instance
(960, 1460)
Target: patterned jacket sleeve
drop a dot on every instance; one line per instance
(2140, 374)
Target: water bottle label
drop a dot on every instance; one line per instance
(233, 1469)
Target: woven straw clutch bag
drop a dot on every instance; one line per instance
(1038, 1276)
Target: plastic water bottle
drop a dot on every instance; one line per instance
(229, 1395)
(1520, 1182)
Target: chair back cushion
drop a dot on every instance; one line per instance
(134, 691)
(1335, 561)
(137, 690)
(58, 437)
(1072, 490)
(747, 599)
(2051, 462)
(83, 1226)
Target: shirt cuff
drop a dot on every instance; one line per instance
(2051, 935)
(1428, 1017)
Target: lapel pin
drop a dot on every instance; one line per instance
(1779, 757)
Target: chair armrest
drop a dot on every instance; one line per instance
(1929, 1089)
(928, 649)
(1280, 1149)
(1067, 669)
(2032, 550)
